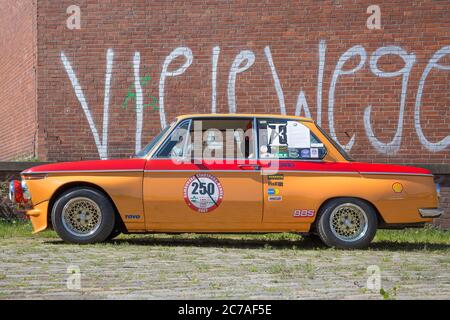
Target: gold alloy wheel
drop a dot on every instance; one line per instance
(348, 222)
(81, 216)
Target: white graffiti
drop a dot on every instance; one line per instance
(215, 60)
(409, 59)
(276, 80)
(322, 52)
(338, 71)
(102, 145)
(139, 100)
(178, 52)
(301, 100)
(433, 63)
(302, 104)
(247, 57)
(244, 60)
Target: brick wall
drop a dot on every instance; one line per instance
(444, 221)
(17, 79)
(293, 33)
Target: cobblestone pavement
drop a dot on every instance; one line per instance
(176, 267)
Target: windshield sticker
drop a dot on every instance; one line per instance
(305, 153)
(276, 134)
(314, 152)
(293, 153)
(316, 145)
(203, 192)
(298, 135)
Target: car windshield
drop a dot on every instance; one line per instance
(152, 143)
(336, 145)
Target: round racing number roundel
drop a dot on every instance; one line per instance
(203, 192)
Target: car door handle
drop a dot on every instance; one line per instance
(249, 167)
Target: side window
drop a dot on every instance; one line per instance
(223, 139)
(288, 139)
(215, 139)
(177, 145)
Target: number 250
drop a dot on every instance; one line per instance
(203, 188)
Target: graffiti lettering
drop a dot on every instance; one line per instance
(178, 52)
(102, 145)
(247, 57)
(356, 51)
(242, 62)
(433, 63)
(393, 146)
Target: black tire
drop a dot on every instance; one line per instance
(333, 238)
(104, 226)
(114, 233)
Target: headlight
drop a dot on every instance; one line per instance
(12, 193)
(438, 190)
(18, 192)
(15, 191)
(25, 192)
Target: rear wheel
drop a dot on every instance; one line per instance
(347, 223)
(83, 215)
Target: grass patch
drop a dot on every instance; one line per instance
(425, 236)
(20, 228)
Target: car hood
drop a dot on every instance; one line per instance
(92, 165)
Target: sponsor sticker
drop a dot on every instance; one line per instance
(305, 153)
(286, 165)
(304, 213)
(203, 192)
(314, 152)
(275, 177)
(277, 134)
(293, 153)
(276, 183)
(275, 198)
(273, 191)
(316, 145)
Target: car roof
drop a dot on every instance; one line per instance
(242, 115)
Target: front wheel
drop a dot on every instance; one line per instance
(83, 215)
(347, 223)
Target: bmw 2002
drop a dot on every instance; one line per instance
(233, 173)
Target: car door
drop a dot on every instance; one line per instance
(186, 193)
(294, 171)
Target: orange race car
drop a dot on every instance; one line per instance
(229, 173)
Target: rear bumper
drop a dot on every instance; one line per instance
(431, 213)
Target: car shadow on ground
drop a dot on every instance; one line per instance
(300, 244)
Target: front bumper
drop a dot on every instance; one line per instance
(431, 213)
(38, 216)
